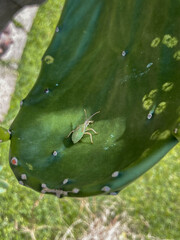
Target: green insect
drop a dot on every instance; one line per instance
(82, 129)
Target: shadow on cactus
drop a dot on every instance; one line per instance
(120, 59)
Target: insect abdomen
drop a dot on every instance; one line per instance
(78, 133)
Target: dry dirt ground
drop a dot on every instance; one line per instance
(10, 59)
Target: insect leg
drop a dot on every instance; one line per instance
(90, 121)
(70, 133)
(89, 135)
(91, 129)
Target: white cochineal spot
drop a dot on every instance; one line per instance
(14, 161)
(75, 190)
(149, 65)
(23, 176)
(55, 153)
(115, 174)
(43, 185)
(65, 181)
(176, 130)
(106, 189)
(21, 182)
(46, 90)
(149, 116)
(113, 193)
(124, 53)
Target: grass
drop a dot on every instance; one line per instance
(147, 209)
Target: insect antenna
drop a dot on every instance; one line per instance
(85, 114)
(92, 115)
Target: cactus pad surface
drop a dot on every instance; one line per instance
(121, 58)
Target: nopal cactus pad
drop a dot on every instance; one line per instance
(104, 56)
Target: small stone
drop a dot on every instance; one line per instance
(21, 182)
(23, 176)
(43, 191)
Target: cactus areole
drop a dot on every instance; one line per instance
(121, 58)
